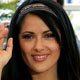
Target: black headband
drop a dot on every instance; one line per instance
(32, 7)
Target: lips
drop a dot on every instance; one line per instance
(40, 57)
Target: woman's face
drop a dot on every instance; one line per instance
(40, 50)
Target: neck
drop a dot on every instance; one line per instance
(50, 74)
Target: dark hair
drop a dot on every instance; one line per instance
(68, 64)
(61, 2)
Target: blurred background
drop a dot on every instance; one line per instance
(72, 7)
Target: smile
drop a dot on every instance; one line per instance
(40, 58)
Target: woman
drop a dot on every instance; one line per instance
(44, 45)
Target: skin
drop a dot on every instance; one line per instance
(34, 39)
(5, 55)
(55, 0)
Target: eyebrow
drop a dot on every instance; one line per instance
(33, 32)
(27, 32)
(46, 31)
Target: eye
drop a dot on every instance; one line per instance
(49, 35)
(28, 36)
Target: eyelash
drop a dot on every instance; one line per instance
(28, 36)
(50, 35)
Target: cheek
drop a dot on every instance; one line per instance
(53, 45)
(26, 50)
(55, 52)
(25, 47)
(54, 49)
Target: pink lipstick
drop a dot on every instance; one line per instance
(40, 58)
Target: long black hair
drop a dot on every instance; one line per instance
(69, 62)
(61, 2)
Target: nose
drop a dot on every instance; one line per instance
(38, 45)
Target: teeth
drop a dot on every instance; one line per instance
(39, 56)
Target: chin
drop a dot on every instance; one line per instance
(39, 69)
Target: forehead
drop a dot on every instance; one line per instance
(34, 23)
